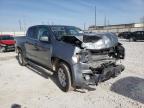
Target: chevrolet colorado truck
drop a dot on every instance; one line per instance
(78, 59)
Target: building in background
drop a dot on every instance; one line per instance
(118, 28)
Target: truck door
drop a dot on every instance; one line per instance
(31, 42)
(138, 34)
(142, 34)
(44, 47)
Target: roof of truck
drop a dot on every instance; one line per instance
(52, 25)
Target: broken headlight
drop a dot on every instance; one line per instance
(81, 57)
(84, 58)
(76, 58)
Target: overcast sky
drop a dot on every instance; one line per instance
(67, 12)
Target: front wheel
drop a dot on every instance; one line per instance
(21, 58)
(64, 77)
(2, 49)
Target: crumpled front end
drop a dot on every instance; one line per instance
(98, 62)
(98, 41)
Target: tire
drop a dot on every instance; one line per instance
(21, 58)
(64, 77)
(2, 49)
(131, 39)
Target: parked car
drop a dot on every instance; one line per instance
(137, 35)
(7, 43)
(124, 35)
(78, 59)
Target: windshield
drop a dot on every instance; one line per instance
(6, 38)
(66, 31)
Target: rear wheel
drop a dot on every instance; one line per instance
(64, 77)
(21, 58)
(132, 39)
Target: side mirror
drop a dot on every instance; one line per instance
(44, 38)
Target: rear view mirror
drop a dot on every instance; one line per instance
(44, 38)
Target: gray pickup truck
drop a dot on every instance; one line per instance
(79, 59)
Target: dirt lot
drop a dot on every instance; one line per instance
(34, 88)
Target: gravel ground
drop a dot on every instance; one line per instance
(35, 88)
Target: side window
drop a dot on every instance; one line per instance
(32, 33)
(138, 33)
(43, 32)
(72, 32)
(59, 31)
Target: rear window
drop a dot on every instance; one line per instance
(6, 38)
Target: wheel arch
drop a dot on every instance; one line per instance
(21, 49)
(55, 61)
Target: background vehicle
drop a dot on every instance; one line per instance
(77, 58)
(137, 35)
(124, 35)
(7, 43)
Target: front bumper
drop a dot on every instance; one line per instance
(105, 73)
(85, 75)
(9, 47)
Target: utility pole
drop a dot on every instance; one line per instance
(105, 21)
(84, 26)
(108, 25)
(24, 25)
(143, 22)
(95, 18)
(20, 26)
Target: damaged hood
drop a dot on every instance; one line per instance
(98, 41)
(93, 41)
